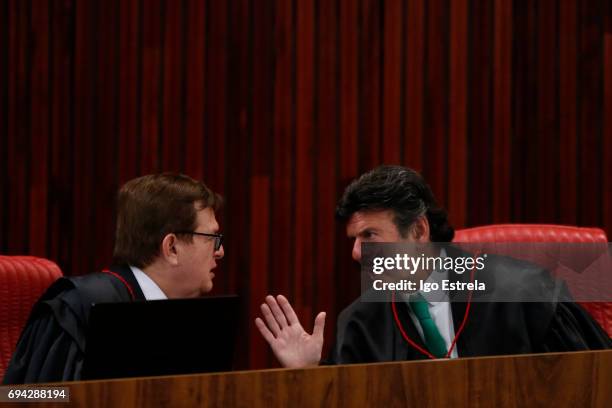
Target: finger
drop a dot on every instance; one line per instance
(277, 312)
(319, 325)
(265, 332)
(288, 310)
(270, 320)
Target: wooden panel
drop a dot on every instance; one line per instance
(348, 89)
(260, 245)
(195, 87)
(544, 150)
(457, 112)
(236, 215)
(130, 85)
(303, 262)
(349, 145)
(606, 159)
(85, 68)
(415, 61)
(480, 113)
(570, 379)
(524, 110)
(607, 136)
(173, 87)
(39, 128)
(502, 110)
(282, 150)
(392, 104)
(590, 92)
(4, 128)
(568, 90)
(259, 252)
(17, 148)
(326, 168)
(150, 71)
(216, 95)
(607, 9)
(61, 133)
(435, 143)
(104, 132)
(370, 34)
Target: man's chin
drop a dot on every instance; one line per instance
(205, 288)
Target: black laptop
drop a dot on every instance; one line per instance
(161, 337)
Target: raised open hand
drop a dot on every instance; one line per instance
(291, 344)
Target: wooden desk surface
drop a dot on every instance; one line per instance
(581, 379)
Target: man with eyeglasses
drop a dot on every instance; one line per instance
(167, 244)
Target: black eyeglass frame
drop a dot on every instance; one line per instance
(218, 237)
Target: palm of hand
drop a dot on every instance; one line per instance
(294, 347)
(291, 344)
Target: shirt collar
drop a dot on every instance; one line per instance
(433, 298)
(148, 286)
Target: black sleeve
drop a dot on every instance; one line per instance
(366, 333)
(350, 340)
(572, 329)
(51, 347)
(46, 352)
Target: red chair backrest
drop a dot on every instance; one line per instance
(23, 279)
(530, 233)
(602, 312)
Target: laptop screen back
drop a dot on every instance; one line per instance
(161, 337)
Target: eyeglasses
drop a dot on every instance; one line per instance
(218, 237)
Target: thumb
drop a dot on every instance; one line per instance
(319, 325)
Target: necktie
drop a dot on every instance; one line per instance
(433, 339)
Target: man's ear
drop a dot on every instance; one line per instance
(420, 229)
(169, 249)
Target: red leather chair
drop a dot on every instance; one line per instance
(23, 279)
(602, 312)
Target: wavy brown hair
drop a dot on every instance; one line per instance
(152, 206)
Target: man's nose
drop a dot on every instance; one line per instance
(220, 253)
(357, 250)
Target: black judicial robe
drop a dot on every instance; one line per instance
(52, 344)
(367, 331)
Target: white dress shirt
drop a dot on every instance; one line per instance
(149, 288)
